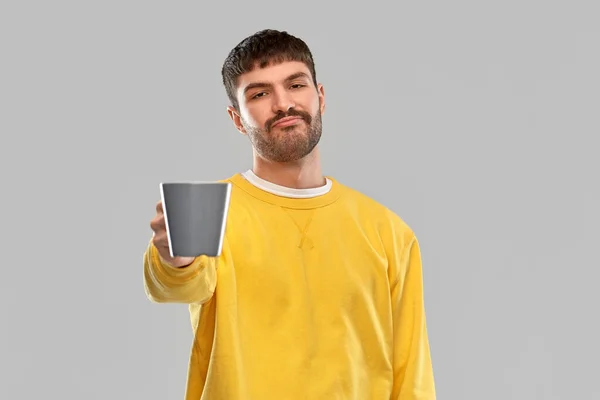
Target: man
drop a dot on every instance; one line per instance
(318, 291)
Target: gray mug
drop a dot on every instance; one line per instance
(195, 216)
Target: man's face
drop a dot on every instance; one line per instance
(280, 110)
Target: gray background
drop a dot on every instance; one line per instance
(477, 122)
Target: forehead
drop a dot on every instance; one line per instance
(272, 74)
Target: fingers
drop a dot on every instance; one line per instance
(158, 226)
(161, 241)
(160, 238)
(158, 223)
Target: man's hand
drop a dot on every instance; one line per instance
(161, 240)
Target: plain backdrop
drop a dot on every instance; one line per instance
(477, 122)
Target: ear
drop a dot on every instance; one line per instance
(321, 93)
(235, 117)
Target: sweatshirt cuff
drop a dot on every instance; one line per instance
(172, 274)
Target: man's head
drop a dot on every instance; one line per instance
(275, 99)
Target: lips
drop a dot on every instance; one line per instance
(286, 121)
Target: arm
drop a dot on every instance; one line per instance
(413, 370)
(194, 283)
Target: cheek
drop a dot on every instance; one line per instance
(315, 105)
(253, 116)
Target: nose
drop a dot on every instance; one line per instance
(282, 102)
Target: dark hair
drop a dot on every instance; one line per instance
(263, 48)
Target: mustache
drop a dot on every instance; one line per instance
(291, 113)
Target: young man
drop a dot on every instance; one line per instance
(318, 292)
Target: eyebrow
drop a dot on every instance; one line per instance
(265, 84)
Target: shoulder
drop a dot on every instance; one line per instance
(388, 221)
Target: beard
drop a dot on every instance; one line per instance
(290, 143)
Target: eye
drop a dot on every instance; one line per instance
(257, 95)
(297, 85)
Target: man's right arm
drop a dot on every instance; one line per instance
(194, 283)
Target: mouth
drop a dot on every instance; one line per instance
(287, 121)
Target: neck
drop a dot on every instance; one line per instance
(302, 174)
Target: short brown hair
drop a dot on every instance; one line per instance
(263, 48)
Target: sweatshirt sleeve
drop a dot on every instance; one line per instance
(194, 283)
(412, 365)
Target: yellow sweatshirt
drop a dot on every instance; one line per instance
(312, 298)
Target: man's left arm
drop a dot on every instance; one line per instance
(413, 370)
